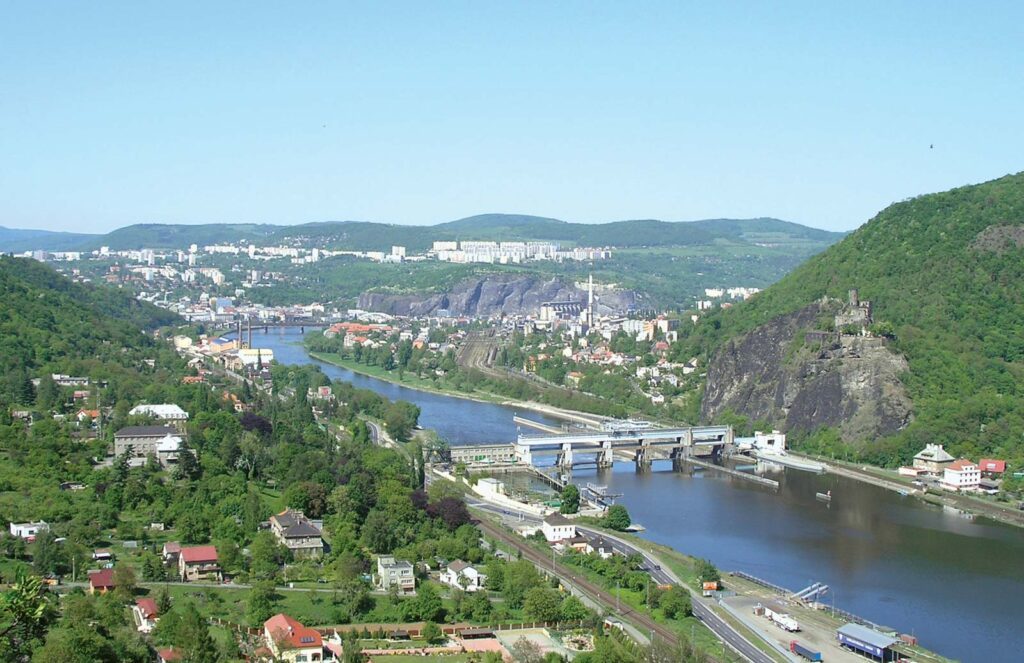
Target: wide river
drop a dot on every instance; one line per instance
(957, 584)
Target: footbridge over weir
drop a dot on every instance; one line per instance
(641, 444)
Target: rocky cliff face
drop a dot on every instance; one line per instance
(802, 381)
(493, 295)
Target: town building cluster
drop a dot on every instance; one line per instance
(934, 465)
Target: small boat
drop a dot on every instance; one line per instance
(903, 492)
(824, 497)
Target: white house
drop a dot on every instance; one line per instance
(461, 575)
(28, 530)
(557, 527)
(166, 412)
(395, 573)
(145, 614)
(961, 475)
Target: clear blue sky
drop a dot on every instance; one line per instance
(815, 112)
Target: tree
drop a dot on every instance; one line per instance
(188, 467)
(260, 606)
(194, 639)
(520, 577)
(707, 571)
(570, 499)
(617, 518)
(432, 633)
(23, 616)
(543, 604)
(427, 606)
(265, 556)
(46, 553)
(675, 603)
(124, 582)
(527, 651)
(573, 609)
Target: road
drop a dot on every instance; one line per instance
(658, 571)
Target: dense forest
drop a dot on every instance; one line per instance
(51, 325)
(944, 273)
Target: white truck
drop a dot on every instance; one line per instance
(777, 615)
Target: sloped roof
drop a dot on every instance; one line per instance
(290, 634)
(962, 464)
(301, 530)
(147, 606)
(101, 579)
(867, 635)
(934, 452)
(557, 519)
(146, 431)
(195, 554)
(458, 566)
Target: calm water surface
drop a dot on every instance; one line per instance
(956, 584)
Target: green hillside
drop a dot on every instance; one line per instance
(17, 240)
(362, 236)
(49, 324)
(168, 236)
(945, 273)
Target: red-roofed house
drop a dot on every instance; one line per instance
(990, 466)
(101, 581)
(168, 655)
(145, 613)
(289, 640)
(199, 563)
(961, 475)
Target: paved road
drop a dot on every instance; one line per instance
(659, 572)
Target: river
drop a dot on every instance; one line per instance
(957, 584)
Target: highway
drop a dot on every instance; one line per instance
(658, 572)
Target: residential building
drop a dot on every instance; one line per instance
(297, 533)
(199, 563)
(464, 576)
(143, 441)
(101, 582)
(395, 573)
(168, 655)
(961, 475)
(991, 466)
(933, 458)
(602, 546)
(557, 527)
(145, 614)
(28, 530)
(168, 413)
(288, 640)
(171, 551)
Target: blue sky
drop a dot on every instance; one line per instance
(815, 112)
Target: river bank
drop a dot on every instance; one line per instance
(876, 476)
(880, 553)
(889, 480)
(419, 384)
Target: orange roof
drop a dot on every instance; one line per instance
(195, 554)
(291, 634)
(962, 464)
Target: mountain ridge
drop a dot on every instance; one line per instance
(370, 236)
(943, 296)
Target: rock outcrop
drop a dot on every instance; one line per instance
(493, 295)
(798, 379)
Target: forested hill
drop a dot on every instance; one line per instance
(945, 275)
(49, 324)
(368, 236)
